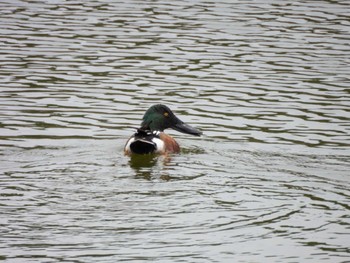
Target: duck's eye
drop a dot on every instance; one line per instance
(166, 114)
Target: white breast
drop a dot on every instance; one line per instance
(160, 144)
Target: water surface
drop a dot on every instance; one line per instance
(267, 83)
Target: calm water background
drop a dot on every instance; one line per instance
(266, 81)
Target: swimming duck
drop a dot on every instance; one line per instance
(150, 137)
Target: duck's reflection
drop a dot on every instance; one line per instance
(149, 166)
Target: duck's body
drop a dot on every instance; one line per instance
(150, 138)
(145, 142)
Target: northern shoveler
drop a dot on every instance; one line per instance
(150, 138)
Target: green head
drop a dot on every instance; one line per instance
(159, 117)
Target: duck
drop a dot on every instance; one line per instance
(150, 137)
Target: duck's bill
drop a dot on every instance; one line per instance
(185, 128)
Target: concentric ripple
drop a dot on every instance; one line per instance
(267, 83)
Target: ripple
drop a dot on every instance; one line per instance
(266, 82)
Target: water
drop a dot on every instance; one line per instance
(266, 81)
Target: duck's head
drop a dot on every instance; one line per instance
(159, 117)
